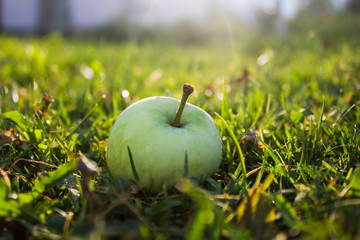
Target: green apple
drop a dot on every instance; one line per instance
(159, 140)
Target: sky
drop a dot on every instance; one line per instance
(246, 8)
(152, 12)
(90, 13)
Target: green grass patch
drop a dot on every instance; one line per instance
(288, 117)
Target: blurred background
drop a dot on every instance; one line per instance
(149, 47)
(185, 21)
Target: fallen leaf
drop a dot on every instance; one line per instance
(4, 139)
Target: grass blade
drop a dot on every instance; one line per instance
(241, 156)
(279, 161)
(343, 115)
(133, 168)
(186, 165)
(317, 130)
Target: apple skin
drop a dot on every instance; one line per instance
(158, 149)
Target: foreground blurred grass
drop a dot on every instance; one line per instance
(59, 99)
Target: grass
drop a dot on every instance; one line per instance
(288, 121)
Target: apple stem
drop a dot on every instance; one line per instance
(187, 91)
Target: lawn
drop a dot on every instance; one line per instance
(289, 113)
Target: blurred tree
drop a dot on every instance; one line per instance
(1, 16)
(268, 18)
(311, 15)
(53, 16)
(322, 21)
(353, 6)
(315, 8)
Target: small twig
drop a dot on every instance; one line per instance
(338, 204)
(6, 178)
(226, 197)
(253, 171)
(123, 200)
(33, 161)
(177, 230)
